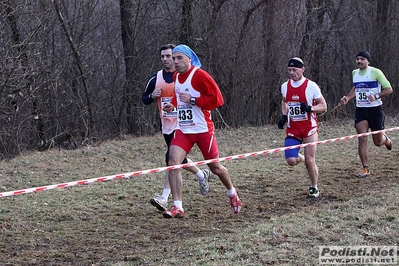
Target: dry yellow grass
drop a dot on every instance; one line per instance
(112, 223)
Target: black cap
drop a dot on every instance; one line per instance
(295, 62)
(364, 54)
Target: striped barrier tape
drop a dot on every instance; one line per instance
(160, 169)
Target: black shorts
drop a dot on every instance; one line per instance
(374, 115)
(168, 139)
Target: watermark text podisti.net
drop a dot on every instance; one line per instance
(380, 255)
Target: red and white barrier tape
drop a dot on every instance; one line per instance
(160, 169)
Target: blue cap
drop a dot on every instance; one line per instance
(189, 53)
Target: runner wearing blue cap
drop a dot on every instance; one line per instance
(196, 95)
(160, 89)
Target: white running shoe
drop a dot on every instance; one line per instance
(313, 193)
(204, 185)
(160, 203)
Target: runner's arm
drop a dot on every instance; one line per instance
(149, 88)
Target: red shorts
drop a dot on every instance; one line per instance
(301, 132)
(206, 142)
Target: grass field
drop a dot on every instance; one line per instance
(113, 223)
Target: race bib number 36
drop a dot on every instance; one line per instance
(295, 112)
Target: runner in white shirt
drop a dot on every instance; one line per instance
(160, 89)
(301, 100)
(196, 95)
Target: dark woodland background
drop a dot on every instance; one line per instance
(72, 72)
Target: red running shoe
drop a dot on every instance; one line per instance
(173, 213)
(235, 203)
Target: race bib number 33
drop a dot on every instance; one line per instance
(186, 116)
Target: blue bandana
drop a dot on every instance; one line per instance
(190, 54)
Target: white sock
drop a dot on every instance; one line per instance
(178, 204)
(231, 192)
(165, 193)
(314, 187)
(200, 176)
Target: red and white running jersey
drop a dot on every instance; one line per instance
(294, 93)
(199, 84)
(191, 118)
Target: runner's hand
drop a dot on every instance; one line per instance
(306, 108)
(282, 122)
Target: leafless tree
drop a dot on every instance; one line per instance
(72, 72)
